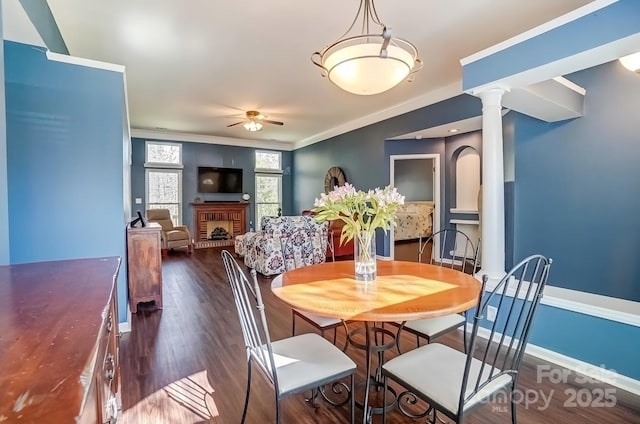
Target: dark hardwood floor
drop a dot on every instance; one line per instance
(186, 363)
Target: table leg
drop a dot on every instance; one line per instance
(374, 378)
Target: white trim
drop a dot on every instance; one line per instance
(209, 139)
(606, 307)
(571, 85)
(73, 60)
(610, 377)
(161, 165)
(610, 308)
(418, 102)
(458, 210)
(436, 190)
(541, 29)
(465, 221)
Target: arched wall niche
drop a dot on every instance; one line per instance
(464, 213)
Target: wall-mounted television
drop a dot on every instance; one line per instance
(219, 180)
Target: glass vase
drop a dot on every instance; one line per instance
(364, 255)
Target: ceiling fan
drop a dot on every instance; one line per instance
(254, 121)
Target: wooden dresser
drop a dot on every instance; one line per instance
(144, 260)
(59, 342)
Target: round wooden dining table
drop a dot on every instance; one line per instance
(402, 291)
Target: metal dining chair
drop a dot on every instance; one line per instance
(291, 365)
(449, 248)
(292, 248)
(487, 367)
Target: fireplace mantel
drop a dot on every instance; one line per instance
(235, 212)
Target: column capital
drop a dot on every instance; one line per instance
(491, 91)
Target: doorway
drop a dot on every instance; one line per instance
(410, 175)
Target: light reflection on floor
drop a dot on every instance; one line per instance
(186, 401)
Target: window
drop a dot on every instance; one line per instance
(163, 178)
(268, 184)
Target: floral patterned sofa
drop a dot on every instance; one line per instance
(414, 219)
(284, 243)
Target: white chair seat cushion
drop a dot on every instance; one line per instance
(436, 371)
(431, 327)
(320, 320)
(307, 361)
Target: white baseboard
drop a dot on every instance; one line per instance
(611, 377)
(125, 327)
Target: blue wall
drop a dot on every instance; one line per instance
(593, 340)
(65, 160)
(414, 179)
(4, 199)
(363, 154)
(577, 187)
(202, 154)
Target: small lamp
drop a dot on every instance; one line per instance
(631, 62)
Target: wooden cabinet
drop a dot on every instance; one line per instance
(144, 260)
(59, 342)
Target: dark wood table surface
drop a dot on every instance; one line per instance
(50, 317)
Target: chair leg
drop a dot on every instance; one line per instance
(346, 336)
(464, 334)
(353, 398)
(246, 399)
(514, 419)
(293, 323)
(384, 408)
(335, 333)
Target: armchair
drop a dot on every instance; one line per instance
(172, 236)
(268, 251)
(334, 248)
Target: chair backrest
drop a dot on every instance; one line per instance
(304, 247)
(515, 299)
(450, 248)
(253, 320)
(162, 217)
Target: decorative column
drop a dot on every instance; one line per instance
(492, 236)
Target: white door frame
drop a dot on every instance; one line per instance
(436, 190)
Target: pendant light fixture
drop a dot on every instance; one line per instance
(368, 63)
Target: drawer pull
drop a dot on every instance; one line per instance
(111, 409)
(110, 362)
(109, 323)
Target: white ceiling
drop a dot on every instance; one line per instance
(195, 66)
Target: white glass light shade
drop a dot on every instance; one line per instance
(252, 126)
(359, 69)
(631, 62)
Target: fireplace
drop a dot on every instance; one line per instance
(220, 230)
(217, 223)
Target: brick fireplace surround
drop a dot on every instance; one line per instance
(233, 212)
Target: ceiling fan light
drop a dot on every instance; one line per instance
(631, 62)
(252, 126)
